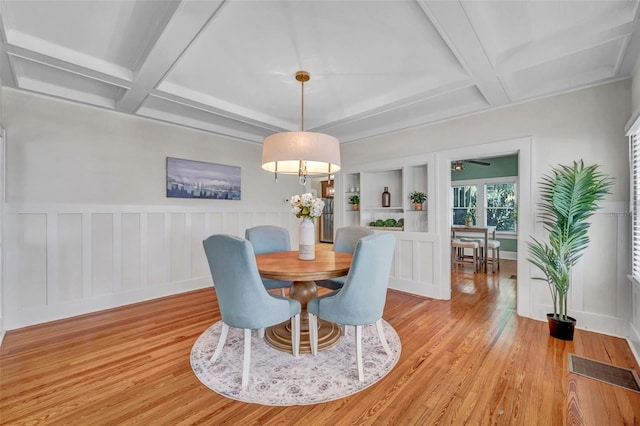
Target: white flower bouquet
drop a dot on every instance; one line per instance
(306, 205)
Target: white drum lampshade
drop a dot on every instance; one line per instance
(301, 153)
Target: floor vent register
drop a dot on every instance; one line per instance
(604, 372)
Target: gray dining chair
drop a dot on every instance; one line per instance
(269, 239)
(244, 302)
(362, 298)
(346, 240)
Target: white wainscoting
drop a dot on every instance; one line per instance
(417, 265)
(634, 324)
(67, 260)
(600, 294)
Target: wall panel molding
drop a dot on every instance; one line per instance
(177, 229)
(415, 264)
(599, 299)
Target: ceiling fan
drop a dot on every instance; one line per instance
(459, 165)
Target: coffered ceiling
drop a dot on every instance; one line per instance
(376, 66)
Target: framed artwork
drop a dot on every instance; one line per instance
(197, 179)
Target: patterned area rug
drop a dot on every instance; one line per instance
(278, 378)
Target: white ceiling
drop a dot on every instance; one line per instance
(376, 66)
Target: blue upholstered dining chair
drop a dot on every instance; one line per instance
(269, 239)
(346, 240)
(243, 300)
(362, 298)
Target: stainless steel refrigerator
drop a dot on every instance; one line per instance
(326, 221)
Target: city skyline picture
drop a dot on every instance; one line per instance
(198, 179)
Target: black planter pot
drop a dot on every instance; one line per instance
(560, 329)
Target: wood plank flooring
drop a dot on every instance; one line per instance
(470, 360)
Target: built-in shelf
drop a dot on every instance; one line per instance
(419, 249)
(386, 228)
(383, 209)
(400, 181)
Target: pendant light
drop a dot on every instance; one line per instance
(301, 153)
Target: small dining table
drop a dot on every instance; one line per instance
(286, 266)
(484, 230)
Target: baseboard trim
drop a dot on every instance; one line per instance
(587, 321)
(508, 255)
(39, 314)
(634, 342)
(415, 287)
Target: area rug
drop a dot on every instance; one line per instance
(279, 378)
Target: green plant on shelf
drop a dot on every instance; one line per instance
(354, 199)
(418, 197)
(388, 223)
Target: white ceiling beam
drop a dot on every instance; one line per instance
(398, 105)
(46, 48)
(573, 40)
(193, 123)
(217, 106)
(631, 61)
(19, 52)
(456, 30)
(7, 73)
(216, 111)
(188, 21)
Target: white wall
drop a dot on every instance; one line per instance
(2, 168)
(587, 124)
(1, 121)
(635, 90)
(62, 152)
(89, 226)
(88, 223)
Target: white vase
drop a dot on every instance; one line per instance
(306, 240)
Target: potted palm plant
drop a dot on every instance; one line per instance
(569, 196)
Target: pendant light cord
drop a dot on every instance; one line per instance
(302, 106)
(302, 168)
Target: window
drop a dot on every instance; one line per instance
(501, 206)
(464, 202)
(490, 202)
(634, 153)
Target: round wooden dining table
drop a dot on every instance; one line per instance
(286, 266)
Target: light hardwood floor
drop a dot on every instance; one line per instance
(470, 360)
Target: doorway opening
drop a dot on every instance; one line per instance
(522, 147)
(484, 200)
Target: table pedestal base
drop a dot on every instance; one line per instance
(279, 336)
